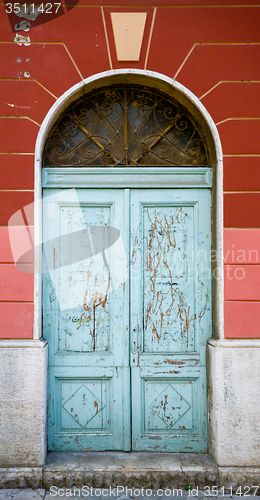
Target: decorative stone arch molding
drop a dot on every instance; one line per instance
(159, 82)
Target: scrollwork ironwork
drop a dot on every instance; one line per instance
(126, 125)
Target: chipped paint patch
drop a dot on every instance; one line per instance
(23, 26)
(22, 40)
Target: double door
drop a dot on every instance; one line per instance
(127, 313)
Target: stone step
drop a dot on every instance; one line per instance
(153, 471)
(131, 469)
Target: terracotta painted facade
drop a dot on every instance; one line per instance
(212, 48)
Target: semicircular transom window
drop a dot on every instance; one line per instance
(126, 126)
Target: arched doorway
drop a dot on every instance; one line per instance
(127, 319)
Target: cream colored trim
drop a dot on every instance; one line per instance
(150, 37)
(22, 118)
(207, 44)
(106, 36)
(226, 81)
(28, 81)
(184, 61)
(238, 118)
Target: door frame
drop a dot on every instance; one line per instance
(192, 103)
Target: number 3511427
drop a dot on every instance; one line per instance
(31, 8)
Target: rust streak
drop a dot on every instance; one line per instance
(173, 362)
(164, 405)
(54, 259)
(90, 305)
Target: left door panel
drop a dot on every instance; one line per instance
(85, 318)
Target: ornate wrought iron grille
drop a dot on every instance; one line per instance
(126, 125)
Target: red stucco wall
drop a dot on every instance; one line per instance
(213, 48)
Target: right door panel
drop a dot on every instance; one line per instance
(170, 317)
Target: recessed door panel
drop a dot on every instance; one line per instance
(86, 326)
(168, 314)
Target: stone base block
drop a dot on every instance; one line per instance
(23, 375)
(234, 402)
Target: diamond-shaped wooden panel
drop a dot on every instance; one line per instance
(83, 405)
(168, 406)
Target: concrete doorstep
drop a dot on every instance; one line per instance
(156, 475)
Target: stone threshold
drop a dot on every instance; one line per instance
(129, 469)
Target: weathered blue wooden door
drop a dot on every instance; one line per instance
(85, 319)
(170, 318)
(127, 321)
